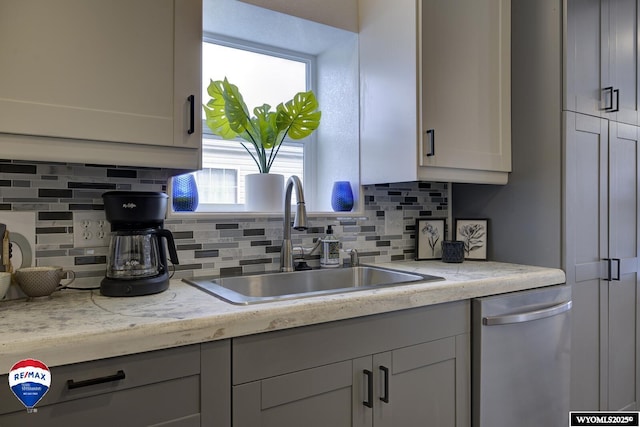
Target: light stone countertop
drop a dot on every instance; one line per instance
(77, 326)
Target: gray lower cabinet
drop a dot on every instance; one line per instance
(397, 369)
(159, 388)
(603, 243)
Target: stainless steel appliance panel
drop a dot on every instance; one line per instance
(521, 358)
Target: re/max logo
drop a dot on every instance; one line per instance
(30, 374)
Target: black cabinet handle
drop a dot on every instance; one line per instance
(610, 90)
(616, 92)
(610, 269)
(432, 142)
(617, 278)
(71, 384)
(369, 402)
(385, 379)
(192, 114)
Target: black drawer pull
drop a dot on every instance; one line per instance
(71, 384)
(369, 402)
(385, 378)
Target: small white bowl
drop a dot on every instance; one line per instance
(5, 281)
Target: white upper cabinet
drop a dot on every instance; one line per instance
(101, 81)
(602, 59)
(435, 90)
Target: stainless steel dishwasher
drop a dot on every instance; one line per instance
(520, 373)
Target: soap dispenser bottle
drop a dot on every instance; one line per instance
(330, 250)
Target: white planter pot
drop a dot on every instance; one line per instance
(264, 192)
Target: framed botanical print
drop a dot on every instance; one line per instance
(474, 233)
(429, 237)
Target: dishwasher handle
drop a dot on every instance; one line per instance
(528, 316)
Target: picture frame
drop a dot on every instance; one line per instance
(430, 232)
(474, 234)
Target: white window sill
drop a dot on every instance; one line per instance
(241, 214)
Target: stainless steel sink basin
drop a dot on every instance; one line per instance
(268, 287)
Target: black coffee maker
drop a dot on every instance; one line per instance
(137, 259)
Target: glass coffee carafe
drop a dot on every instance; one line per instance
(133, 255)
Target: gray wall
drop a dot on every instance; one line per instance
(525, 215)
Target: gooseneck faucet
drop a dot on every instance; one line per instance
(299, 222)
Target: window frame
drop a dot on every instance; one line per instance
(309, 145)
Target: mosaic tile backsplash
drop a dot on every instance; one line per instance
(54, 191)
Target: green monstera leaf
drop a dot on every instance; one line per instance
(235, 109)
(265, 123)
(215, 114)
(299, 116)
(227, 115)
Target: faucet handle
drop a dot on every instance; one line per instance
(298, 252)
(354, 258)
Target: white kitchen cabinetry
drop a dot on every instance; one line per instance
(397, 369)
(184, 386)
(602, 59)
(101, 82)
(603, 240)
(435, 90)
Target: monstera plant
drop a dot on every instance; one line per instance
(227, 116)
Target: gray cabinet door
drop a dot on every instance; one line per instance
(583, 62)
(623, 251)
(620, 58)
(341, 373)
(317, 397)
(425, 384)
(602, 160)
(602, 59)
(180, 387)
(171, 403)
(586, 219)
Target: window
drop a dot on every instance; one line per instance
(323, 58)
(262, 75)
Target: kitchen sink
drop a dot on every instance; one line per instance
(269, 287)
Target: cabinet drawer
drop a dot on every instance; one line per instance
(139, 370)
(265, 355)
(174, 402)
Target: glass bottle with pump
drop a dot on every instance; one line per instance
(330, 250)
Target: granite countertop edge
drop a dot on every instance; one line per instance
(79, 326)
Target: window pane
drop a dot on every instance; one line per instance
(218, 185)
(215, 186)
(261, 78)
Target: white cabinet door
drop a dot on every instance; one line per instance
(435, 90)
(119, 71)
(466, 96)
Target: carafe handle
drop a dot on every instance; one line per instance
(171, 245)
